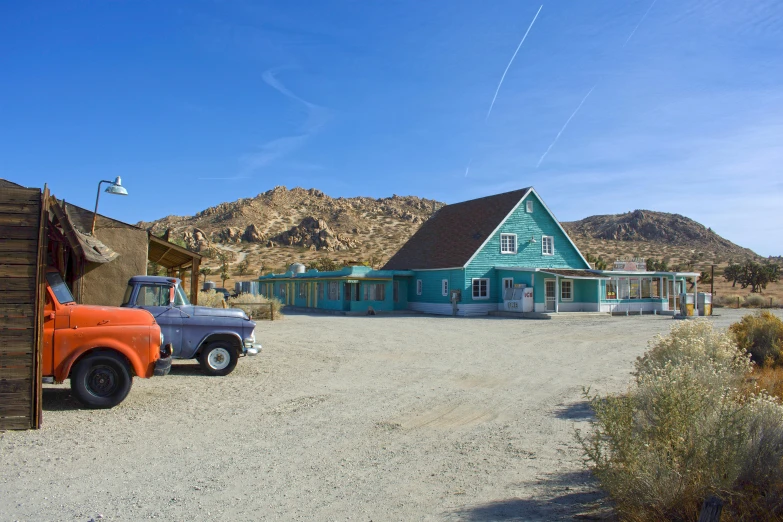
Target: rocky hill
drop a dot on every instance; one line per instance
(646, 233)
(282, 226)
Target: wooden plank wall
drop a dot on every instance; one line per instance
(22, 240)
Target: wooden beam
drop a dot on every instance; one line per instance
(164, 255)
(194, 281)
(40, 298)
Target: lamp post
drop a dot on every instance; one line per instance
(115, 187)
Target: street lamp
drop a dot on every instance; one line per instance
(115, 187)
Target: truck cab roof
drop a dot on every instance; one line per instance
(161, 280)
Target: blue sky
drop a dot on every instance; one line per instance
(194, 103)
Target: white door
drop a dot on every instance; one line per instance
(508, 282)
(551, 294)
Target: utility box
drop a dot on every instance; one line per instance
(705, 303)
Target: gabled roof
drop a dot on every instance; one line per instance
(455, 232)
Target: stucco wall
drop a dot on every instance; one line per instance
(104, 284)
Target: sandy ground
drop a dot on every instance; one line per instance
(340, 418)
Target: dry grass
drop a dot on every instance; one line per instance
(769, 380)
(257, 306)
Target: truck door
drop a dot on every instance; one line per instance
(47, 357)
(155, 299)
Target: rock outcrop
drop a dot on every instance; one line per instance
(315, 234)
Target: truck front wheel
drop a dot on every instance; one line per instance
(101, 380)
(218, 359)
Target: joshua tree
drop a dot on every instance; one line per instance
(224, 273)
(205, 271)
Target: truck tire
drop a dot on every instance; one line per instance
(218, 359)
(101, 380)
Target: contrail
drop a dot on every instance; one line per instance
(640, 23)
(564, 126)
(467, 169)
(509, 63)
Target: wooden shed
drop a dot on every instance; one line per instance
(22, 271)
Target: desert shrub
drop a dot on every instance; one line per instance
(728, 300)
(695, 343)
(754, 301)
(256, 312)
(761, 335)
(211, 299)
(687, 429)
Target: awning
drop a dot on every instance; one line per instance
(169, 255)
(572, 274)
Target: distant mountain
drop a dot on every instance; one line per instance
(647, 233)
(281, 226)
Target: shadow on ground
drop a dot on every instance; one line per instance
(569, 496)
(577, 411)
(59, 399)
(186, 369)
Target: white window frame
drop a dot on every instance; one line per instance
(529, 206)
(444, 287)
(419, 287)
(472, 288)
(571, 284)
(551, 243)
(504, 250)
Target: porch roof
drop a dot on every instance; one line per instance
(560, 272)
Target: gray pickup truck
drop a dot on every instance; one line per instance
(217, 337)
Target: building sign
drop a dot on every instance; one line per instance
(635, 264)
(352, 281)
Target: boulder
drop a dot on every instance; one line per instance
(253, 234)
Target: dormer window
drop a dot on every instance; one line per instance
(508, 243)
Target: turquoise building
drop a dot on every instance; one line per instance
(485, 255)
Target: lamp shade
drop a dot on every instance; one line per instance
(117, 188)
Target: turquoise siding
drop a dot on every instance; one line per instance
(402, 300)
(529, 255)
(431, 285)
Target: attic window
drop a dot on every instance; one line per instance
(508, 243)
(547, 246)
(529, 206)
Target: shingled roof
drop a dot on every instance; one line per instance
(454, 233)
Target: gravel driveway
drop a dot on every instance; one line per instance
(340, 418)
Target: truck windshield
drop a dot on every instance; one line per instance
(181, 299)
(60, 289)
(128, 292)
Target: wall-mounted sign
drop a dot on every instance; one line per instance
(352, 281)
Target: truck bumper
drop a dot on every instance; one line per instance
(163, 365)
(251, 349)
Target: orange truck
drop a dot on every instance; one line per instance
(100, 348)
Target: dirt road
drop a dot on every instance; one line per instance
(340, 418)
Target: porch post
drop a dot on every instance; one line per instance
(557, 294)
(696, 296)
(598, 302)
